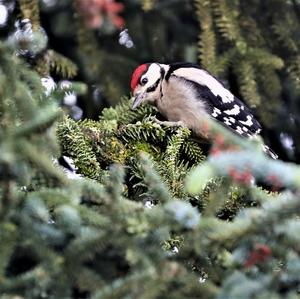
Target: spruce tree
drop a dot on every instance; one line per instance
(151, 212)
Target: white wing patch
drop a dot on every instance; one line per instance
(248, 122)
(239, 130)
(258, 131)
(216, 112)
(227, 121)
(234, 111)
(203, 78)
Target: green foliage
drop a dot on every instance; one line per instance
(62, 65)
(47, 61)
(212, 245)
(207, 38)
(252, 47)
(243, 51)
(247, 81)
(119, 137)
(79, 148)
(21, 123)
(153, 214)
(37, 224)
(30, 10)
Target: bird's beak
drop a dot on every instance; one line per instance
(137, 101)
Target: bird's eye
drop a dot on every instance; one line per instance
(144, 81)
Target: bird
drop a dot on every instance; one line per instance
(184, 93)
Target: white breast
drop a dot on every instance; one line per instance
(179, 103)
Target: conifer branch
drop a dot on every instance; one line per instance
(75, 144)
(226, 21)
(247, 82)
(153, 181)
(207, 39)
(61, 65)
(30, 10)
(244, 165)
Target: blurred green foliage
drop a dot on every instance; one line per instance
(151, 212)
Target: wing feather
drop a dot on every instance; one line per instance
(220, 103)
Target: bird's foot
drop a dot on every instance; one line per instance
(169, 123)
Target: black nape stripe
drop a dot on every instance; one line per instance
(162, 75)
(162, 72)
(153, 87)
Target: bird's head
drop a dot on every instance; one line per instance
(145, 83)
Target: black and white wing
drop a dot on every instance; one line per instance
(234, 114)
(220, 103)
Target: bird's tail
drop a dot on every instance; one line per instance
(269, 152)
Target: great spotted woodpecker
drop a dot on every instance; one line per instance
(183, 93)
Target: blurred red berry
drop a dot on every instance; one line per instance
(93, 11)
(242, 177)
(215, 151)
(275, 181)
(259, 254)
(219, 140)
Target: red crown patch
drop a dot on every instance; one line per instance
(138, 72)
